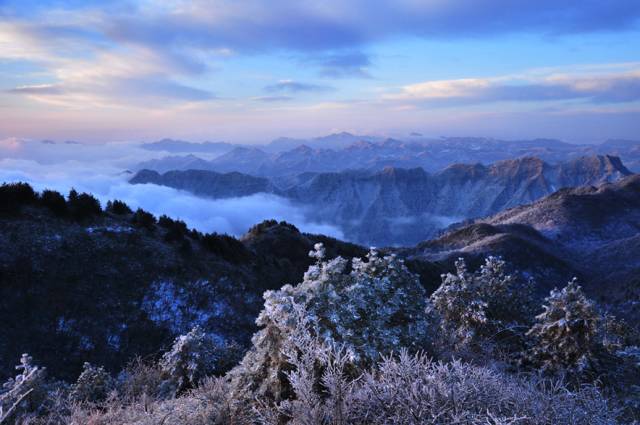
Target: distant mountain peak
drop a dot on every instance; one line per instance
(360, 144)
(303, 149)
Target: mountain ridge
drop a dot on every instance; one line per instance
(398, 206)
(375, 153)
(592, 232)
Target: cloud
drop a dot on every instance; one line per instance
(344, 65)
(255, 25)
(105, 179)
(273, 99)
(40, 89)
(620, 87)
(85, 68)
(138, 90)
(296, 87)
(186, 36)
(105, 157)
(159, 87)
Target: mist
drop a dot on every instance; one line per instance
(102, 171)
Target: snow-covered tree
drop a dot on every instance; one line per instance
(93, 385)
(23, 393)
(478, 306)
(376, 307)
(564, 333)
(195, 356)
(189, 360)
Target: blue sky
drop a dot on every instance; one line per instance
(250, 71)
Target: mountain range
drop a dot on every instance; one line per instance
(284, 158)
(180, 146)
(399, 206)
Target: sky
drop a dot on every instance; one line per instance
(249, 71)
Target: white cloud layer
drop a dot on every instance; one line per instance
(616, 85)
(105, 179)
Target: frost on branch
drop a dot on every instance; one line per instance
(318, 253)
(195, 356)
(24, 393)
(376, 307)
(93, 385)
(565, 332)
(413, 389)
(475, 307)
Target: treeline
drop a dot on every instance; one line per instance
(84, 207)
(78, 206)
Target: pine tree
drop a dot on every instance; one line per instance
(376, 307)
(475, 307)
(564, 333)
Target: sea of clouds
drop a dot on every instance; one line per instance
(102, 170)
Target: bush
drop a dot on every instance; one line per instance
(345, 346)
(195, 356)
(140, 379)
(144, 219)
(412, 389)
(23, 394)
(264, 226)
(93, 385)
(211, 403)
(224, 246)
(14, 195)
(54, 201)
(118, 207)
(185, 249)
(83, 205)
(176, 229)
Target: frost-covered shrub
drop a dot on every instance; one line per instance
(140, 379)
(630, 358)
(195, 356)
(93, 385)
(210, 403)
(320, 376)
(376, 307)
(565, 332)
(479, 307)
(24, 393)
(412, 389)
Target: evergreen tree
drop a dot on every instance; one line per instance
(93, 385)
(564, 333)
